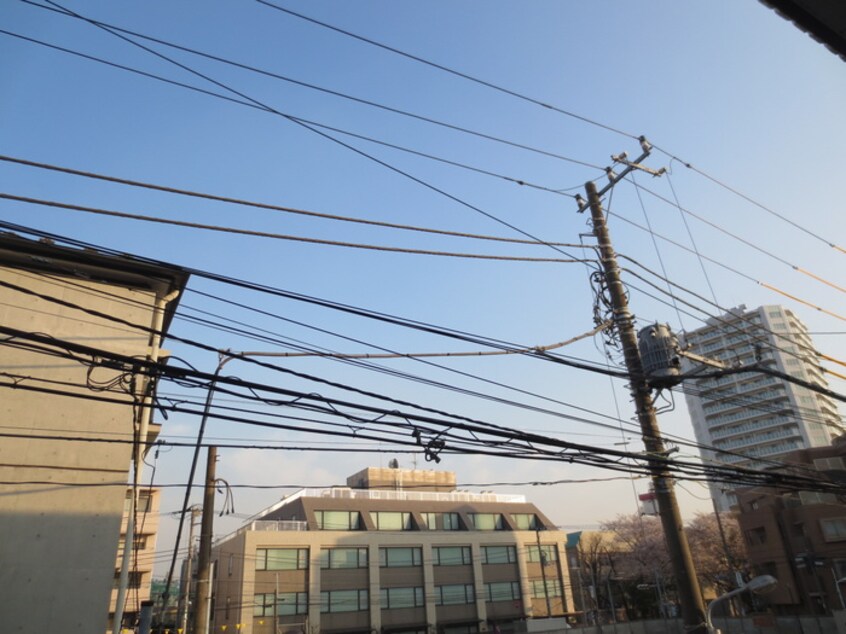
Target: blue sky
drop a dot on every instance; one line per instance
(728, 87)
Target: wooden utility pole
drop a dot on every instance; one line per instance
(690, 596)
(201, 605)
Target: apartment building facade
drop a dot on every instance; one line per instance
(142, 555)
(751, 418)
(66, 455)
(800, 537)
(395, 551)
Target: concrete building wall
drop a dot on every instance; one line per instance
(62, 496)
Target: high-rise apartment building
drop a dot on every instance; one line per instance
(748, 419)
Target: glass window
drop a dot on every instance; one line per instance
(452, 556)
(553, 588)
(451, 521)
(834, 529)
(454, 594)
(391, 521)
(545, 554)
(499, 554)
(288, 603)
(338, 520)
(343, 558)
(525, 521)
(282, 559)
(487, 521)
(344, 601)
(502, 591)
(430, 520)
(398, 557)
(395, 598)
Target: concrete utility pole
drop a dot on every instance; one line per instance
(690, 596)
(201, 605)
(183, 607)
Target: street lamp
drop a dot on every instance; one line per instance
(758, 585)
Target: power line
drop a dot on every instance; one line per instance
(275, 236)
(314, 130)
(280, 208)
(449, 70)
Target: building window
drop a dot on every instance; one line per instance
(502, 591)
(487, 521)
(395, 598)
(430, 520)
(391, 521)
(230, 565)
(344, 601)
(338, 520)
(133, 580)
(226, 609)
(139, 543)
(145, 502)
(525, 521)
(400, 557)
(343, 558)
(287, 603)
(817, 497)
(499, 554)
(545, 554)
(756, 536)
(282, 559)
(451, 521)
(454, 594)
(834, 529)
(452, 556)
(553, 588)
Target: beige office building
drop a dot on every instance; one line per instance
(395, 550)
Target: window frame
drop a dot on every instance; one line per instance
(510, 557)
(301, 558)
(416, 556)
(329, 555)
(327, 603)
(465, 556)
(468, 591)
(417, 598)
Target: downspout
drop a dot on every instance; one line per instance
(144, 416)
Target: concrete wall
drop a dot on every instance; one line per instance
(58, 536)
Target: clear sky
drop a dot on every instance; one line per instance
(726, 86)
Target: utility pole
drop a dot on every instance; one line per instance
(201, 605)
(690, 596)
(183, 607)
(542, 559)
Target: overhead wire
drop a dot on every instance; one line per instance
(547, 106)
(315, 130)
(446, 69)
(323, 89)
(275, 236)
(272, 207)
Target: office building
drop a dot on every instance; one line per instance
(396, 550)
(750, 419)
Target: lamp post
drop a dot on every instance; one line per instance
(758, 585)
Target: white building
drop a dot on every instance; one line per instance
(750, 418)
